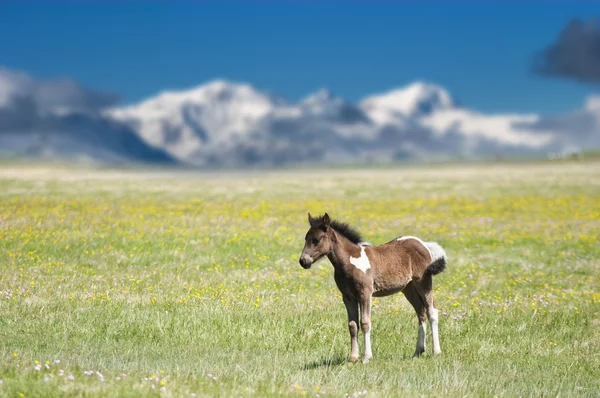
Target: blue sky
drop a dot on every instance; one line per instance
(480, 51)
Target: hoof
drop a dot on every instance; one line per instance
(353, 359)
(418, 353)
(436, 353)
(366, 359)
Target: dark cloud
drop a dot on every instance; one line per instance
(575, 54)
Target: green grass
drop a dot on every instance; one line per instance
(178, 283)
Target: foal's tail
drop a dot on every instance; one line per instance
(438, 254)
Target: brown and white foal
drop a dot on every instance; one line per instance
(362, 271)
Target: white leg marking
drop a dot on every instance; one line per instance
(368, 353)
(433, 320)
(362, 262)
(367, 335)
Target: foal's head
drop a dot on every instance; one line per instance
(317, 241)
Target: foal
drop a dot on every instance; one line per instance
(362, 271)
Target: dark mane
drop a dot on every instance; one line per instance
(344, 229)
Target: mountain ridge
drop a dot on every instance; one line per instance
(227, 123)
(232, 123)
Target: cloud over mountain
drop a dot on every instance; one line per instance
(52, 95)
(62, 119)
(579, 128)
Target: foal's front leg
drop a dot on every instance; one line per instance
(365, 324)
(352, 309)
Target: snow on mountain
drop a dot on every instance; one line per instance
(326, 105)
(416, 99)
(212, 115)
(226, 123)
(436, 109)
(499, 128)
(231, 123)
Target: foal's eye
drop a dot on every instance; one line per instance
(315, 241)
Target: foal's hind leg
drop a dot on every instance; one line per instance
(413, 297)
(424, 287)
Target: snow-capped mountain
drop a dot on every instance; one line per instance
(225, 123)
(231, 123)
(228, 123)
(435, 109)
(187, 123)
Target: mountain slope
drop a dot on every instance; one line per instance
(226, 123)
(77, 137)
(60, 119)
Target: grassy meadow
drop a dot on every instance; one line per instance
(162, 283)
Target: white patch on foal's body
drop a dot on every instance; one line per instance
(362, 262)
(435, 250)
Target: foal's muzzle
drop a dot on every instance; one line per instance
(305, 262)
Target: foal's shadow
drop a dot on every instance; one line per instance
(341, 360)
(326, 363)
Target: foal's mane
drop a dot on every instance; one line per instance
(346, 230)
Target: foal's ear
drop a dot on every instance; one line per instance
(311, 220)
(326, 220)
